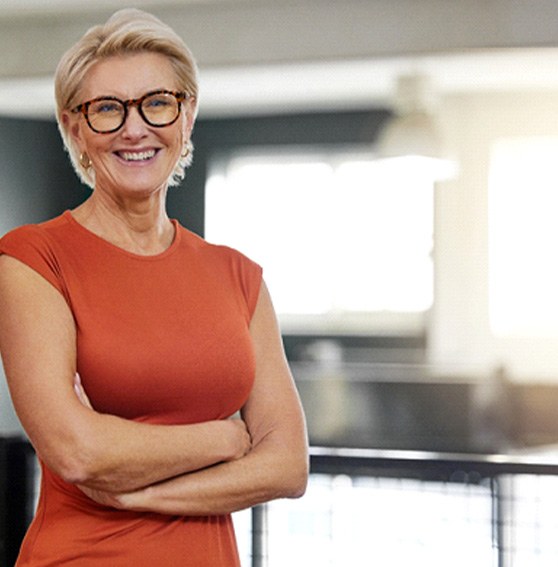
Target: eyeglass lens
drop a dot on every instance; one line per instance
(159, 109)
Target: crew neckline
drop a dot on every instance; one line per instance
(68, 216)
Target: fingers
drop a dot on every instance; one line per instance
(102, 497)
(244, 438)
(80, 392)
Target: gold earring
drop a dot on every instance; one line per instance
(84, 160)
(186, 152)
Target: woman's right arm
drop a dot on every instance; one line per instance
(38, 346)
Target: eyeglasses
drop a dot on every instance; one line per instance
(107, 114)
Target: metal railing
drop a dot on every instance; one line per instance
(517, 493)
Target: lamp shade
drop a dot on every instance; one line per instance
(413, 134)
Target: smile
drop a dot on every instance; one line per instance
(137, 156)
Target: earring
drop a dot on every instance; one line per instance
(185, 152)
(84, 160)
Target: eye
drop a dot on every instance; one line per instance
(106, 107)
(158, 101)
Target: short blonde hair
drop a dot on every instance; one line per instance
(126, 32)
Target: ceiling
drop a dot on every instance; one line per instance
(285, 55)
(34, 7)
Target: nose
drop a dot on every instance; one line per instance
(134, 125)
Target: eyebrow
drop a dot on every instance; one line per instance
(125, 98)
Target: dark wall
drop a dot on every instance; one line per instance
(36, 179)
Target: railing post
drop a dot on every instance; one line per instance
(259, 536)
(498, 542)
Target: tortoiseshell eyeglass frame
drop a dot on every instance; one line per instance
(180, 97)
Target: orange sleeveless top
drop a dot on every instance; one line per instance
(161, 339)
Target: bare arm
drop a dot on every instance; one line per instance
(277, 465)
(38, 346)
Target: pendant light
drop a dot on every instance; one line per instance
(412, 136)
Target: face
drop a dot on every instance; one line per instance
(138, 159)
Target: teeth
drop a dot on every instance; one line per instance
(137, 156)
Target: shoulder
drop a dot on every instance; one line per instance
(219, 253)
(38, 236)
(38, 246)
(233, 257)
(229, 266)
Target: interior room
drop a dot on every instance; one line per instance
(414, 283)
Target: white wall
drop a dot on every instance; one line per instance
(460, 336)
(262, 32)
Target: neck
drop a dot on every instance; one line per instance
(138, 227)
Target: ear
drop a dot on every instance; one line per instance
(72, 125)
(190, 117)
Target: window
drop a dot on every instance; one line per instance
(523, 204)
(345, 242)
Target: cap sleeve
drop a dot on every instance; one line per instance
(32, 246)
(245, 276)
(250, 282)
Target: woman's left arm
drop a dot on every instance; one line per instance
(277, 465)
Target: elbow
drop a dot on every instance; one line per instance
(300, 488)
(73, 475)
(298, 484)
(291, 469)
(295, 482)
(73, 460)
(80, 468)
(295, 490)
(71, 467)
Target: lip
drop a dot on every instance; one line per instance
(136, 156)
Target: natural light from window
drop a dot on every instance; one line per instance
(523, 207)
(339, 236)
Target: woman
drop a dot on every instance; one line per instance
(129, 342)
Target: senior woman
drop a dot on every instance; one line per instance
(129, 342)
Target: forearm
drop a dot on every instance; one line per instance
(266, 473)
(117, 455)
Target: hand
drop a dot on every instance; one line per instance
(133, 501)
(243, 440)
(80, 392)
(113, 500)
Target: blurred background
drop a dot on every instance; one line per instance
(391, 164)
